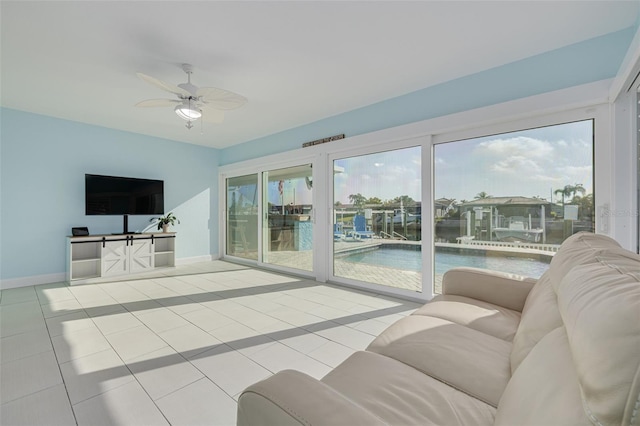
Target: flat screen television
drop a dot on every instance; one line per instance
(113, 195)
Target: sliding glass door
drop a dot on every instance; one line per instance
(377, 220)
(242, 217)
(287, 237)
(501, 197)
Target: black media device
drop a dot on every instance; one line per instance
(81, 231)
(113, 195)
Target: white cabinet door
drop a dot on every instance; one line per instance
(115, 258)
(141, 255)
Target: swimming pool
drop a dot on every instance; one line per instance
(411, 259)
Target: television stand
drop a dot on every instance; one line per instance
(96, 258)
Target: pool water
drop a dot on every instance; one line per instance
(412, 260)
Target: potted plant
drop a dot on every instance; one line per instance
(165, 221)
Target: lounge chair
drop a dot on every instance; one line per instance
(338, 235)
(360, 228)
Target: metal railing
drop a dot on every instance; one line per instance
(516, 244)
(394, 236)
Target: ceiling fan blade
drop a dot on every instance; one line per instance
(158, 103)
(171, 88)
(211, 115)
(220, 98)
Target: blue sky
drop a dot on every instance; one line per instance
(385, 175)
(526, 163)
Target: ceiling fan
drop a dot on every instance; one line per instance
(207, 103)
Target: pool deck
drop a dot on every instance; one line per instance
(391, 277)
(388, 276)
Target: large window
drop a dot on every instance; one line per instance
(377, 225)
(500, 196)
(506, 202)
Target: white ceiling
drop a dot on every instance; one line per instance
(296, 62)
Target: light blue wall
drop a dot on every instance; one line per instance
(43, 162)
(580, 63)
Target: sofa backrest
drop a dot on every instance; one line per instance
(587, 370)
(600, 308)
(540, 314)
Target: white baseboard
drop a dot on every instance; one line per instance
(62, 277)
(33, 280)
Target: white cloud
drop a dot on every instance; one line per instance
(516, 164)
(517, 146)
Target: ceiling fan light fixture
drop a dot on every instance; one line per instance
(188, 112)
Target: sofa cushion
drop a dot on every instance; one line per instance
(540, 314)
(469, 360)
(544, 389)
(291, 398)
(400, 395)
(600, 306)
(482, 316)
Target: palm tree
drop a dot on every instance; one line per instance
(482, 195)
(570, 190)
(374, 200)
(358, 200)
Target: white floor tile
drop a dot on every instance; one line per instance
(346, 336)
(372, 326)
(28, 375)
(18, 295)
(189, 340)
(194, 343)
(126, 405)
(98, 307)
(331, 353)
(24, 345)
(135, 342)
(295, 317)
(277, 357)
(78, 344)
(69, 323)
(310, 366)
(303, 341)
(163, 319)
(337, 315)
(260, 305)
(207, 319)
(20, 317)
(115, 322)
(163, 371)
(87, 293)
(242, 338)
(200, 403)
(47, 407)
(140, 307)
(94, 374)
(50, 293)
(297, 303)
(61, 307)
(229, 369)
(180, 304)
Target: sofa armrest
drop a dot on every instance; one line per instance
(292, 398)
(500, 288)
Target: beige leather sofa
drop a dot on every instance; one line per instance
(493, 349)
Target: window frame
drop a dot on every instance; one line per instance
(568, 105)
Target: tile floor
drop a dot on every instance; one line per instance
(172, 348)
